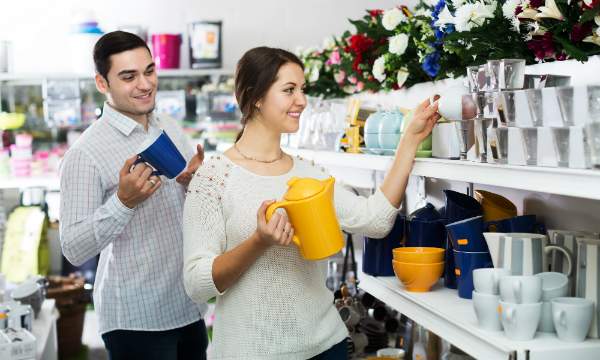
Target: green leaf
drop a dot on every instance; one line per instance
(589, 15)
(571, 49)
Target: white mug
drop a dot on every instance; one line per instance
(486, 280)
(572, 318)
(521, 289)
(520, 321)
(486, 310)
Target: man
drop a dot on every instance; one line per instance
(132, 218)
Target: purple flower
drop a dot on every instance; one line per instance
(580, 31)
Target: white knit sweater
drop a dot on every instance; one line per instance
(280, 308)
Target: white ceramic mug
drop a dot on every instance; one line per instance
(486, 280)
(520, 321)
(521, 289)
(588, 281)
(572, 318)
(486, 310)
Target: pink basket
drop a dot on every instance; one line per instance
(166, 50)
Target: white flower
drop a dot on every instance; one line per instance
(472, 15)
(445, 17)
(508, 10)
(594, 38)
(391, 18)
(550, 10)
(458, 3)
(401, 77)
(314, 74)
(328, 42)
(597, 19)
(398, 44)
(588, 2)
(349, 89)
(379, 69)
(423, 12)
(431, 3)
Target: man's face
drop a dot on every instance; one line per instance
(132, 82)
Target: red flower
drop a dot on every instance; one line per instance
(561, 57)
(360, 43)
(592, 5)
(518, 10)
(536, 3)
(375, 12)
(542, 46)
(580, 31)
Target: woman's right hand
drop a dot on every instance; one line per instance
(277, 231)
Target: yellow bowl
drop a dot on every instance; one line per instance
(419, 255)
(418, 277)
(11, 121)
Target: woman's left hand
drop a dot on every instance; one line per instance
(423, 120)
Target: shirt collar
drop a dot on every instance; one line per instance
(124, 123)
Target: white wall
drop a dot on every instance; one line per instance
(40, 27)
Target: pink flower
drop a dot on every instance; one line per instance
(334, 58)
(340, 77)
(542, 46)
(360, 86)
(352, 79)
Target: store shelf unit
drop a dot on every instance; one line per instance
(560, 181)
(452, 318)
(50, 182)
(160, 72)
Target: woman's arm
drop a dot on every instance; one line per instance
(394, 184)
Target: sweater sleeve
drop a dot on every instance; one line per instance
(372, 216)
(203, 230)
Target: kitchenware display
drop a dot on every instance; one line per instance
(445, 141)
(567, 239)
(476, 77)
(165, 48)
(495, 207)
(497, 145)
(521, 224)
(159, 151)
(587, 279)
(308, 203)
(486, 311)
(418, 277)
(378, 253)
(467, 235)
(29, 293)
(520, 289)
(523, 253)
(572, 318)
(554, 285)
(466, 263)
(487, 280)
(505, 74)
(539, 81)
(520, 321)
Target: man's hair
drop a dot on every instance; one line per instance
(113, 43)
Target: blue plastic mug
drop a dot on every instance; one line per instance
(466, 262)
(467, 235)
(460, 206)
(378, 253)
(161, 153)
(428, 233)
(517, 224)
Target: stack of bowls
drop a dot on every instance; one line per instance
(383, 131)
(418, 268)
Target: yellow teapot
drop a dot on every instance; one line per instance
(309, 206)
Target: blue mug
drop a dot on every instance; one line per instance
(518, 224)
(161, 153)
(428, 233)
(460, 206)
(449, 266)
(378, 253)
(467, 235)
(466, 262)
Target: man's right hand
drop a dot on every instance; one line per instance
(136, 185)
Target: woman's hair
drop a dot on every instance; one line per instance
(255, 73)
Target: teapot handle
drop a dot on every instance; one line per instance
(271, 210)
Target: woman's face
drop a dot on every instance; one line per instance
(281, 107)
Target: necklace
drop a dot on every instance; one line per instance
(255, 159)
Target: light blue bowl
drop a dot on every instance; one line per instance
(372, 140)
(373, 122)
(389, 141)
(391, 122)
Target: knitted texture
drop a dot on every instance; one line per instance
(280, 308)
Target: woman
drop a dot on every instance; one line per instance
(271, 303)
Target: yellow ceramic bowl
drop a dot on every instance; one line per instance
(418, 277)
(11, 121)
(419, 255)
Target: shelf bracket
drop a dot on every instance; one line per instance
(421, 192)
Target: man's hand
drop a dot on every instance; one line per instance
(186, 176)
(136, 185)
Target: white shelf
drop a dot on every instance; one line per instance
(444, 313)
(560, 181)
(51, 182)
